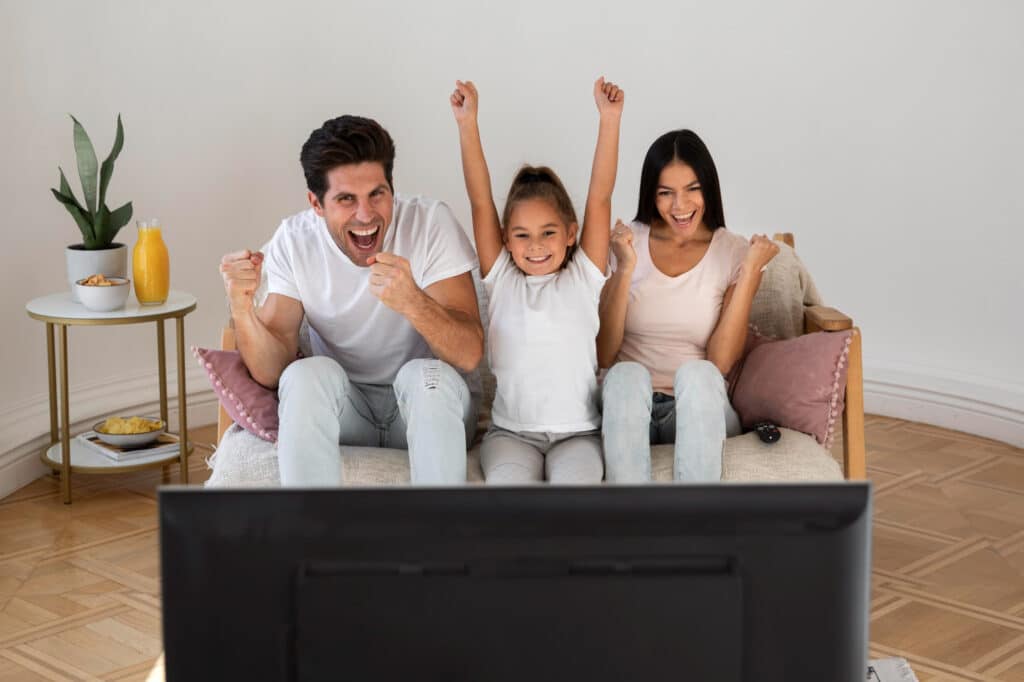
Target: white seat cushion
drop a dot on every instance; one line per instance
(243, 460)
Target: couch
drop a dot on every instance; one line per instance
(786, 305)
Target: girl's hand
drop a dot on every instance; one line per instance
(760, 253)
(622, 247)
(609, 97)
(464, 101)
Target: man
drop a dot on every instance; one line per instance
(384, 282)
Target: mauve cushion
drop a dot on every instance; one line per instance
(252, 405)
(797, 383)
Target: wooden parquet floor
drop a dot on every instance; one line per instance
(80, 591)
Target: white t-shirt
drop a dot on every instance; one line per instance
(669, 320)
(347, 322)
(541, 343)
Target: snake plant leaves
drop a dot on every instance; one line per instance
(108, 223)
(108, 164)
(87, 165)
(119, 217)
(83, 220)
(98, 224)
(67, 197)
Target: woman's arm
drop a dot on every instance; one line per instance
(726, 343)
(486, 227)
(615, 296)
(597, 216)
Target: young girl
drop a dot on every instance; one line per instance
(544, 295)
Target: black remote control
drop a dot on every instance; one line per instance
(767, 432)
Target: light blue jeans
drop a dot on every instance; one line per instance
(428, 410)
(698, 420)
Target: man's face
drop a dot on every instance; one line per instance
(357, 208)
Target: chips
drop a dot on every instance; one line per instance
(120, 426)
(97, 281)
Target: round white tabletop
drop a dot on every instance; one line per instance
(59, 308)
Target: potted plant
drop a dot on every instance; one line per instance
(98, 253)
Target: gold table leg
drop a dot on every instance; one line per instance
(161, 357)
(51, 371)
(161, 354)
(182, 406)
(65, 419)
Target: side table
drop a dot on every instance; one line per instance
(58, 310)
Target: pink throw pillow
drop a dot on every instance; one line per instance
(252, 405)
(797, 383)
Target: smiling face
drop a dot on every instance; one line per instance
(357, 207)
(679, 200)
(537, 237)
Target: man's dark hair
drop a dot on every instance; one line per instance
(342, 141)
(685, 146)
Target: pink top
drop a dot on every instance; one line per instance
(669, 320)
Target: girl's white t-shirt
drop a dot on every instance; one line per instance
(347, 322)
(669, 320)
(541, 344)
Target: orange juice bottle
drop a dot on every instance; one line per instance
(151, 267)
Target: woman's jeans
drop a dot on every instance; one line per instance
(428, 410)
(698, 420)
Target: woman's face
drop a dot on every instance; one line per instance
(679, 199)
(537, 238)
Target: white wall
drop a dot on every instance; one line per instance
(887, 136)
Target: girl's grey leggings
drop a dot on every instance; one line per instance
(515, 458)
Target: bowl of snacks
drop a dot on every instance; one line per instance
(129, 432)
(102, 294)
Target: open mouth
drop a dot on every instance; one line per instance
(364, 239)
(683, 219)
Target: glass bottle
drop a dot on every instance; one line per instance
(151, 266)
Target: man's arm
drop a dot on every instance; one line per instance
(445, 313)
(268, 339)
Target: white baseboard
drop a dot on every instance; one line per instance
(972, 405)
(26, 429)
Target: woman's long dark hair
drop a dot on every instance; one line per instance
(684, 146)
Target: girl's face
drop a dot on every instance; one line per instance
(537, 237)
(679, 199)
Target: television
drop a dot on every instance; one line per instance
(727, 582)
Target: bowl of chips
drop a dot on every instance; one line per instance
(102, 294)
(129, 432)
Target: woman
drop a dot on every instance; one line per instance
(674, 317)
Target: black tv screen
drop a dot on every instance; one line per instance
(731, 582)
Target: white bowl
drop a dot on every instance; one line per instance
(104, 299)
(128, 440)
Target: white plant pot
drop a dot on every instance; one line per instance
(81, 263)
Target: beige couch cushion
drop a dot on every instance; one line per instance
(243, 460)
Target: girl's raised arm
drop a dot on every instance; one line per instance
(597, 217)
(486, 226)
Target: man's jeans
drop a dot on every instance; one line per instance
(428, 410)
(697, 420)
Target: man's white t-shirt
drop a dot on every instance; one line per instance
(347, 322)
(542, 348)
